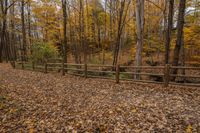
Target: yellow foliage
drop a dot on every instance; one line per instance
(192, 35)
(47, 16)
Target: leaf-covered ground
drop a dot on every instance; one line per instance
(37, 102)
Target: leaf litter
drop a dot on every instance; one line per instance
(38, 102)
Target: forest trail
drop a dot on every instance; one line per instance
(38, 102)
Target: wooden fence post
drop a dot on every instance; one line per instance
(167, 75)
(63, 68)
(33, 65)
(14, 64)
(22, 65)
(85, 70)
(117, 73)
(45, 70)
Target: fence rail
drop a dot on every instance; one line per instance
(165, 75)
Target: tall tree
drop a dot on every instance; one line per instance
(180, 26)
(29, 22)
(139, 31)
(2, 30)
(64, 7)
(4, 11)
(13, 35)
(121, 23)
(105, 32)
(82, 30)
(169, 30)
(23, 31)
(5, 46)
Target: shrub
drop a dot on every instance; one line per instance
(42, 52)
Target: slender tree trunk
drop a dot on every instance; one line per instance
(64, 6)
(13, 37)
(140, 30)
(196, 12)
(169, 30)
(23, 31)
(7, 46)
(149, 29)
(105, 34)
(2, 40)
(29, 24)
(121, 24)
(82, 29)
(119, 33)
(75, 43)
(182, 58)
(99, 37)
(180, 26)
(87, 21)
(4, 9)
(111, 25)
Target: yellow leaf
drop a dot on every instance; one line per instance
(31, 130)
(133, 110)
(110, 112)
(189, 129)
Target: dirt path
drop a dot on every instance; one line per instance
(37, 102)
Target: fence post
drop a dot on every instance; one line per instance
(63, 68)
(14, 64)
(45, 71)
(167, 75)
(33, 65)
(22, 65)
(85, 70)
(117, 73)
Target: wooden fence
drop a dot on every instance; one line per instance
(163, 74)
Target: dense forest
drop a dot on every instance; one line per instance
(133, 32)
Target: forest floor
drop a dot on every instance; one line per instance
(38, 102)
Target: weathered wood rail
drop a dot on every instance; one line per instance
(98, 71)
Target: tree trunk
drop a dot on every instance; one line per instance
(105, 33)
(23, 31)
(111, 25)
(4, 9)
(182, 58)
(140, 30)
(180, 26)
(169, 30)
(82, 30)
(13, 36)
(2, 43)
(64, 6)
(29, 24)
(121, 23)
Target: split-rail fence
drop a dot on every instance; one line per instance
(153, 74)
